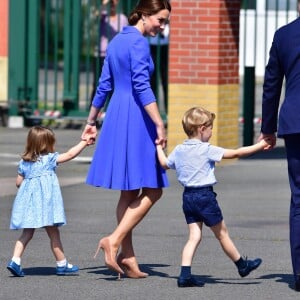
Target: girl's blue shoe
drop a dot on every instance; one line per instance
(15, 269)
(65, 270)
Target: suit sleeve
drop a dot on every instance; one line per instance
(272, 90)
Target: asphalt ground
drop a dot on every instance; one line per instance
(253, 194)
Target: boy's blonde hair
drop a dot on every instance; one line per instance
(40, 141)
(196, 117)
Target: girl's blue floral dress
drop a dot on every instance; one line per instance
(39, 201)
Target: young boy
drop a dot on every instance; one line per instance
(194, 162)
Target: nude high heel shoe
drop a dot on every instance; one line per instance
(109, 255)
(130, 267)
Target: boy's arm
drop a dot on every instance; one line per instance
(72, 152)
(162, 157)
(247, 150)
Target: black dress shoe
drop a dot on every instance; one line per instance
(250, 266)
(189, 282)
(297, 285)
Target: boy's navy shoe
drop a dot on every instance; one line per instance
(189, 282)
(15, 269)
(250, 266)
(65, 270)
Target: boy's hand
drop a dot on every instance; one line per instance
(267, 143)
(270, 139)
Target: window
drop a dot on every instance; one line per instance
(281, 5)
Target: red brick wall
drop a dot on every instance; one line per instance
(4, 27)
(204, 41)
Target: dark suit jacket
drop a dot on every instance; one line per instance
(284, 62)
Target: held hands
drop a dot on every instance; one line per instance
(89, 134)
(161, 136)
(90, 140)
(265, 144)
(267, 140)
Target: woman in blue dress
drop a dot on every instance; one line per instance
(125, 155)
(39, 203)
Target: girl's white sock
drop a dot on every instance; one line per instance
(16, 260)
(63, 263)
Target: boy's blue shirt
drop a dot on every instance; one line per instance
(194, 162)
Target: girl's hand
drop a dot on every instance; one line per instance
(89, 134)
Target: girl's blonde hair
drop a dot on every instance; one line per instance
(196, 117)
(40, 141)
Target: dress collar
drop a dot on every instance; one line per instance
(130, 29)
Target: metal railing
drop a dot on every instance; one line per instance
(54, 56)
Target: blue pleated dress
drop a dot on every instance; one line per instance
(125, 154)
(39, 201)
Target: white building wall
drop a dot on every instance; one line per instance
(257, 28)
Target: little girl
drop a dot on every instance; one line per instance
(39, 203)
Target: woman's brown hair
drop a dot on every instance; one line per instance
(147, 8)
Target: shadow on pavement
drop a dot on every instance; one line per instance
(285, 278)
(148, 268)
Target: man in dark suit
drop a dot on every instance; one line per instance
(284, 63)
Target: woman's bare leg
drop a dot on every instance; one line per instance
(126, 198)
(132, 215)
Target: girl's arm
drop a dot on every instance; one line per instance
(72, 152)
(19, 180)
(247, 150)
(162, 157)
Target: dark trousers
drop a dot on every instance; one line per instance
(292, 144)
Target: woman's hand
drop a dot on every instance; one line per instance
(161, 136)
(89, 134)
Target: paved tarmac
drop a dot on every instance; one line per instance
(252, 192)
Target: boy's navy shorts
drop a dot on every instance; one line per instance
(200, 205)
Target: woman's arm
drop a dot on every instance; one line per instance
(140, 60)
(90, 130)
(154, 114)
